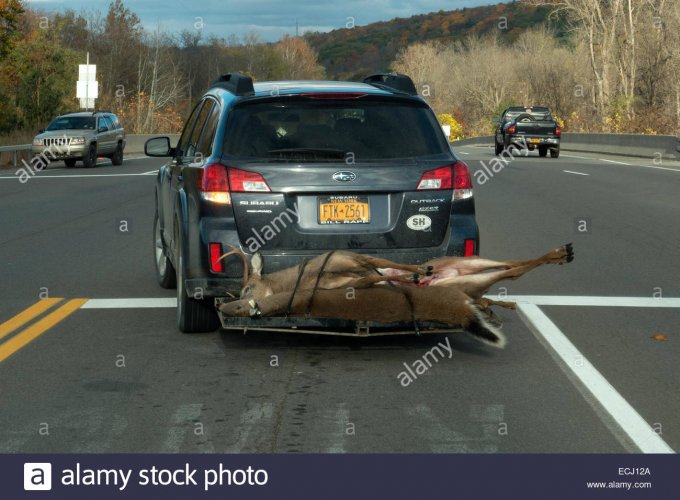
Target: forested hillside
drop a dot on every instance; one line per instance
(357, 50)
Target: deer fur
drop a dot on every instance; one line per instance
(444, 305)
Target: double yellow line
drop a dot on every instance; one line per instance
(33, 331)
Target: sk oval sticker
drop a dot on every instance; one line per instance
(419, 222)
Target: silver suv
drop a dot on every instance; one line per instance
(84, 136)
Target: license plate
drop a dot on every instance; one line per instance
(534, 140)
(344, 210)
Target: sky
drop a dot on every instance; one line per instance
(270, 19)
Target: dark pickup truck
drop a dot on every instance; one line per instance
(528, 128)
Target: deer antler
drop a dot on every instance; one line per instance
(244, 259)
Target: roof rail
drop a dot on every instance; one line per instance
(392, 81)
(236, 83)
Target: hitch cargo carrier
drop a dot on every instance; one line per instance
(329, 326)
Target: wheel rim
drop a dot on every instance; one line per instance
(161, 259)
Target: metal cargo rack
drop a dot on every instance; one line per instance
(327, 326)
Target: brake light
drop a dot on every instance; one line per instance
(469, 248)
(215, 253)
(558, 131)
(456, 177)
(333, 95)
(213, 184)
(242, 181)
(512, 129)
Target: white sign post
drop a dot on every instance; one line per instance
(87, 87)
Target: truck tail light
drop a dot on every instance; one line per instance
(512, 129)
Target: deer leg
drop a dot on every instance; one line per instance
(485, 303)
(476, 285)
(471, 265)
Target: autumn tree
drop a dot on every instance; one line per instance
(299, 60)
(10, 16)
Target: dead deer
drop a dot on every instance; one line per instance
(337, 269)
(386, 304)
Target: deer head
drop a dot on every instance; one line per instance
(253, 286)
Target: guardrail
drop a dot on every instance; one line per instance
(644, 146)
(14, 150)
(134, 143)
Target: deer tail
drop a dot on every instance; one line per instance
(484, 331)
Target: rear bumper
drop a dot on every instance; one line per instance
(531, 142)
(204, 283)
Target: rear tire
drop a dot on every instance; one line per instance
(498, 148)
(193, 315)
(542, 151)
(117, 157)
(70, 163)
(555, 153)
(165, 271)
(90, 159)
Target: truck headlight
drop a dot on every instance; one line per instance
(38, 142)
(77, 140)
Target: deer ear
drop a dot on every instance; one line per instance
(257, 263)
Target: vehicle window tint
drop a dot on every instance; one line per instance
(192, 146)
(329, 130)
(103, 123)
(186, 133)
(205, 141)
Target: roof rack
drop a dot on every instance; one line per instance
(236, 83)
(392, 81)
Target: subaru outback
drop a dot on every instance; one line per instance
(292, 169)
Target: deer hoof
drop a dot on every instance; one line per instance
(416, 278)
(430, 271)
(570, 252)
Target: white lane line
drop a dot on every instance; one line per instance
(150, 172)
(463, 152)
(74, 176)
(579, 157)
(630, 421)
(577, 300)
(539, 300)
(339, 418)
(182, 422)
(572, 172)
(256, 417)
(661, 168)
(617, 162)
(129, 303)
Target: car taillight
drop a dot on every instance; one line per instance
(512, 129)
(456, 177)
(215, 253)
(242, 181)
(213, 184)
(462, 181)
(440, 178)
(558, 131)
